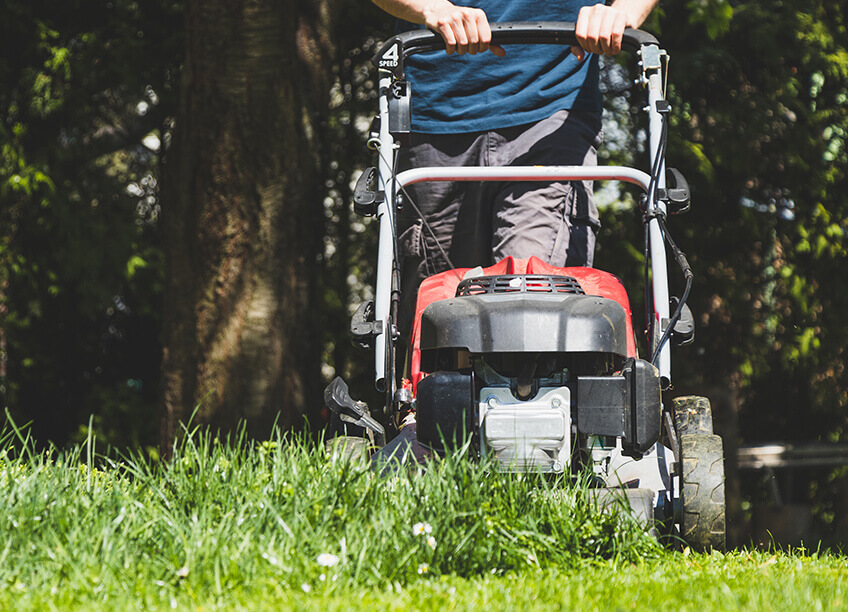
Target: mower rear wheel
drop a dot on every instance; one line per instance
(703, 524)
(692, 415)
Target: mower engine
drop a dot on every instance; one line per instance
(523, 365)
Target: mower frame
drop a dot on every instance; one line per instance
(394, 100)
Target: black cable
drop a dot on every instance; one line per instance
(679, 256)
(392, 211)
(394, 303)
(649, 296)
(427, 227)
(652, 197)
(689, 277)
(425, 223)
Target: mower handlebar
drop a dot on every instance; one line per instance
(391, 54)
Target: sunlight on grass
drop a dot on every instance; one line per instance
(235, 523)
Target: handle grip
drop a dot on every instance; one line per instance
(395, 50)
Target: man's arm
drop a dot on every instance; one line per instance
(600, 28)
(465, 30)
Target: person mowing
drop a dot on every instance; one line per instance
(488, 106)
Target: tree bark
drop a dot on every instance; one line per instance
(242, 217)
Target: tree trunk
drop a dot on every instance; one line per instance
(242, 217)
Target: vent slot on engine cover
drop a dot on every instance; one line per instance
(519, 283)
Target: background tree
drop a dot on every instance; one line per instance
(81, 280)
(242, 215)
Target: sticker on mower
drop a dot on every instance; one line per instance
(390, 57)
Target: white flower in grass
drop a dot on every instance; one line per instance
(327, 560)
(306, 588)
(422, 528)
(182, 572)
(431, 542)
(423, 568)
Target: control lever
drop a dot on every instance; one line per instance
(365, 197)
(337, 399)
(676, 195)
(684, 330)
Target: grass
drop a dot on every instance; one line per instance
(738, 581)
(237, 524)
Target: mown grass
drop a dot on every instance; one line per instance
(737, 581)
(279, 524)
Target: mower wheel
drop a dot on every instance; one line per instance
(702, 525)
(349, 447)
(692, 415)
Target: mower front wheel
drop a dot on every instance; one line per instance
(348, 447)
(703, 523)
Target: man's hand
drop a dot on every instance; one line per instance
(465, 30)
(600, 28)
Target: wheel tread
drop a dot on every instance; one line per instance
(692, 415)
(702, 490)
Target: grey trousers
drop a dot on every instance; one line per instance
(477, 224)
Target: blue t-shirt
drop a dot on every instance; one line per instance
(472, 93)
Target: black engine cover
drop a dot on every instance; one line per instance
(445, 408)
(628, 406)
(525, 323)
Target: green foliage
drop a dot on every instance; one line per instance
(347, 265)
(80, 273)
(760, 115)
(714, 15)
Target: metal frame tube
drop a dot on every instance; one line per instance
(385, 211)
(386, 246)
(659, 262)
(525, 173)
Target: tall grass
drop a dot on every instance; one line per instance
(233, 517)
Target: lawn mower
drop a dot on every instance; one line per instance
(536, 367)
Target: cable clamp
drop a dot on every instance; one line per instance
(653, 213)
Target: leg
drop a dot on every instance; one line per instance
(553, 221)
(458, 219)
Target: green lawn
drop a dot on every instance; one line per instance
(233, 524)
(738, 581)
